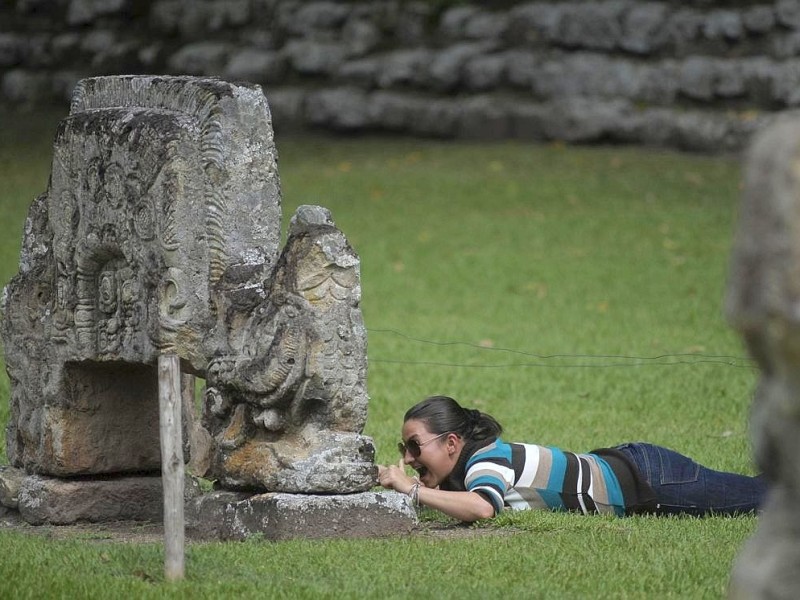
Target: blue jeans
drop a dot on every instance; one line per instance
(684, 487)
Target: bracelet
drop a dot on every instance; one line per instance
(413, 493)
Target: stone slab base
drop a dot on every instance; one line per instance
(278, 516)
(65, 501)
(220, 515)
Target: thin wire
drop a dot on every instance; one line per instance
(719, 359)
(558, 366)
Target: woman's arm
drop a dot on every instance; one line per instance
(465, 506)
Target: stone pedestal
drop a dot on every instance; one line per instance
(56, 501)
(219, 515)
(237, 516)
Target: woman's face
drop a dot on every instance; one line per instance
(438, 456)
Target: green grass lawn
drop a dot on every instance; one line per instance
(573, 293)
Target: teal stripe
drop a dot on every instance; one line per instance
(555, 482)
(553, 499)
(615, 496)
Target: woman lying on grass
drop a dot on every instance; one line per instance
(466, 471)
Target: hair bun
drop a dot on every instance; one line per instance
(473, 416)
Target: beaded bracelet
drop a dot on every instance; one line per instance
(413, 493)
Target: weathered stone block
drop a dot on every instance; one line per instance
(12, 49)
(394, 111)
(404, 67)
(22, 86)
(534, 23)
(445, 70)
(581, 119)
(310, 57)
(410, 23)
(587, 75)
(64, 501)
(343, 109)
(454, 21)
(85, 11)
(697, 78)
(360, 36)
(595, 25)
(643, 30)
(683, 29)
(723, 24)
(487, 26)
(759, 19)
(165, 16)
(320, 15)
(788, 13)
(325, 462)
(361, 72)
(200, 58)
(485, 72)
(254, 64)
(782, 82)
(238, 516)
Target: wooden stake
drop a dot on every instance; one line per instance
(172, 469)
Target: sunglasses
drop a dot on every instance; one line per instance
(414, 448)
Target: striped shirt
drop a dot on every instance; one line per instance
(527, 476)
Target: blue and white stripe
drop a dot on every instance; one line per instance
(528, 476)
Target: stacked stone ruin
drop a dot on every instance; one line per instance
(693, 74)
(159, 234)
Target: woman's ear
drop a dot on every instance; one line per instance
(454, 443)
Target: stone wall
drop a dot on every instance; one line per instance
(695, 75)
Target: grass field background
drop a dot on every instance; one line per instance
(574, 293)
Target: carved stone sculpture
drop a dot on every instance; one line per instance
(763, 304)
(292, 390)
(159, 232)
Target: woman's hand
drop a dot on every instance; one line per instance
(394, 477)
(465, 506)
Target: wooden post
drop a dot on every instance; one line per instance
(172, 470)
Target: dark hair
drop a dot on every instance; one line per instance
(442, 414)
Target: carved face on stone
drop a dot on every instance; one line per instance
(107, 293)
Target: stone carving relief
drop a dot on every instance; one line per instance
(294, 386)
(159, 232)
